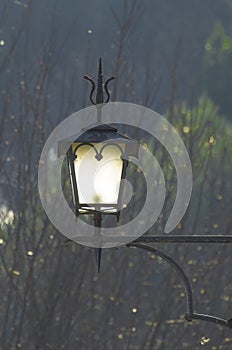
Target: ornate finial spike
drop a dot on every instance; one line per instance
(100, 86)
(100, 68)
(99, 96)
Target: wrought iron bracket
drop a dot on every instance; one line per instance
(185, 238)
(139, 243)
(190, 314)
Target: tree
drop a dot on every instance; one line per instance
(218, 61)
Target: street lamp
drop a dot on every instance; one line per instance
(97, 161)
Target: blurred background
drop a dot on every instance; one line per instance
(173, 56)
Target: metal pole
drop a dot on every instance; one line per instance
(97, 224)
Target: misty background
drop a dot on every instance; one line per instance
(172, 56)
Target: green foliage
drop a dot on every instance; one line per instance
(218, 46)
(218, 72)
(208, 138)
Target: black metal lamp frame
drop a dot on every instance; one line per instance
(91, 208)
(142, 241)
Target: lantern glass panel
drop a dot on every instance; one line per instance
(98, 179)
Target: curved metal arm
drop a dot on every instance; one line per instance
(106, 88)
(189, 295)
(93, 88)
